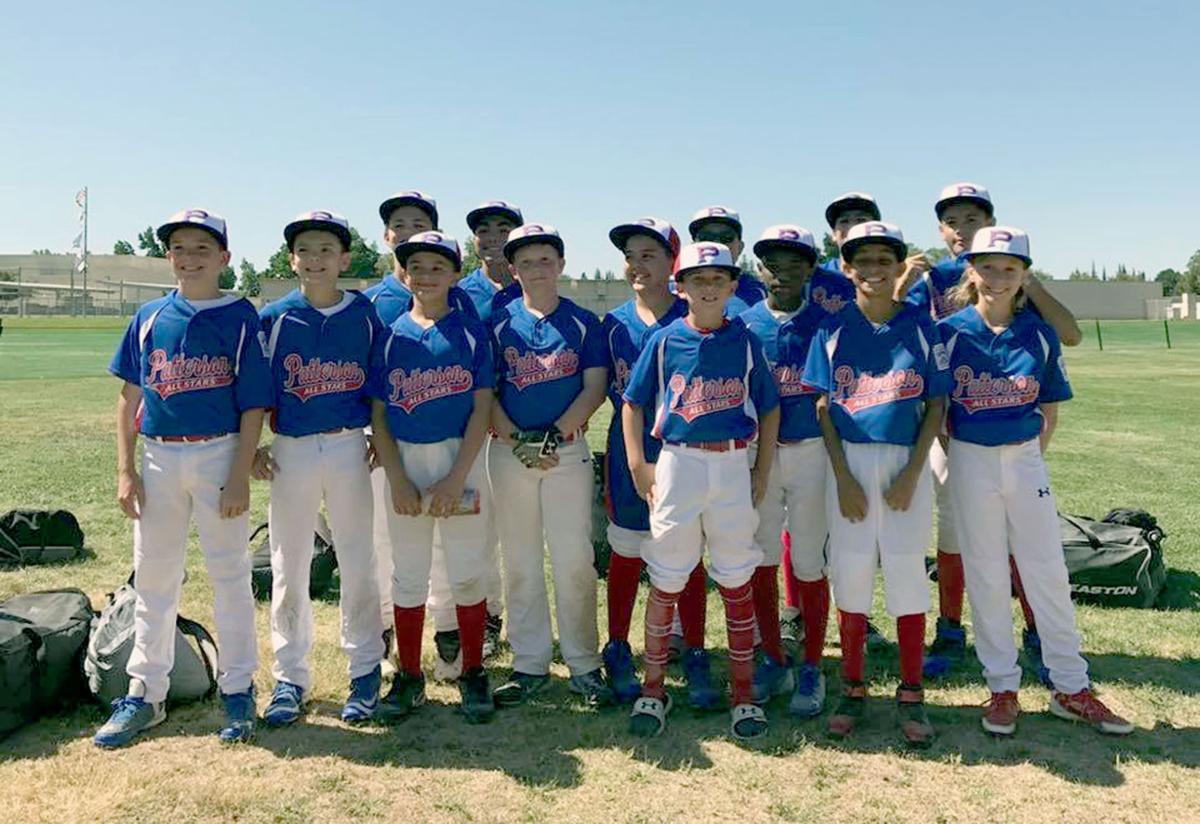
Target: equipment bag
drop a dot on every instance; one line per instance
(601, 551)
(320, 573)
(193, 677)
(20, 651)
(35, 536)
(1114, 563)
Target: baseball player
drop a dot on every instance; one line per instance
(718, 224)
(711, 391)
(432, 379)
(490, 223)
(550, 378)
(194, 362)
(962, 210)
(319, 345)
(650, 246)
(881, 372)
(1009, 378)
(843, 214)
(800, 295)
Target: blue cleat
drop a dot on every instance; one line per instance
(286, 707)
(364, 697)
(771, 678)
(702, 695)
(130, 716)
(948, 650)
(808, 698)
(618, 665)
(239, 717)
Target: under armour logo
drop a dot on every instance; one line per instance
(1043, 492)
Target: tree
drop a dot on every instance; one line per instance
(937, 254)
(1190, 282)
(280, 264)
(1169, 279)
(471, 259)
(364, 260)
(829, 249)
(123, 247)
(1126, 274)
(248, 279)
(227, 279)
(1079, 274)
(609, 274)
(1040, 275)
(148, 242)
(42, 252)
(597, 275)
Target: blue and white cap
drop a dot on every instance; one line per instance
(532, 233)
(410, 197)
(722, 214)
(964, 193)
(862, 201)
(210, 222)
(705, 255)
(787, 236)
(320, 220)
(437, 242)
(651, 227)
(1000, 240)
(494, 208)
(875, 231)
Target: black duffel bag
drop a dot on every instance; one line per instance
(36, 536)
(321, 570)
(1117, 561)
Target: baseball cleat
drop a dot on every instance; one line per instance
(407, 693)
(849, 711)
(771, 678)
(239, 717)
(286, 707)
(791, 628)
(649, 715)
(364, 697)
(476, 695)
(447, 664)
(1001, 712)
(592, 687)
(808, 697)
(1086, 707)
(1032, 643)
(747, 722)
(491, 636)
(130, 715)
(618, 665)
(948, 650)
(676, 649)
(875, 640)
(519, 688)
(702, 695)
(911, 715)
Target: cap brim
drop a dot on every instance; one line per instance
(763, 246)
(406, 250)
(851, 246)
(982, 203)
(700, 221)
(835, 209)
(512, 246)
(477, 216)
(164, 232)
(620, 235)
(292, 229)
(970, 256)
(392, 204)
(734, 271)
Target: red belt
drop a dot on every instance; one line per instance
(713, 446)
(187, 438)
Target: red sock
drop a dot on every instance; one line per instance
(660, 610)
(739, 624)
(951, 586)
(765, 584)
(623, 576)
(693, 603)
(1020, 593)
(471, 622)
(910, 633)
(814, 595)
(852, 626)
(791, 584)
(410, 626)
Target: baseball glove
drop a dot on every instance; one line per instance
(532, 445)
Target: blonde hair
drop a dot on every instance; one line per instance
(966, 293)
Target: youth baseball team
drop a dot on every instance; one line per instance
(807, 417)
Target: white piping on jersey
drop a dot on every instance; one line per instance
(831, 346)
(660, 414)
(470, 341)
(924, 343)
(387, 347)
(237, 358)
(370, 332)
(147, 325)
(276, 328)
(582, 331)
(1045, 346)
(953, 339)
(748, 403)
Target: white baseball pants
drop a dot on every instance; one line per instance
(947, 540)
(893, 540)
(1003, 505)
(183, 480)
(381, 505)
(795, 497)
(333, 468)
(441, 600)
(535, 510)
(701, 496)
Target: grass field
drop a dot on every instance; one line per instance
(1128, 439)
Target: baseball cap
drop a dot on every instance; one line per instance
(1000, 240)
(964, 193)
(851, 200)
(651, 227)
(532, 233)
(433, 241)
(494, 208)
(787, 236)
(705, 255)
(722, 214)
(321, 220)
(210, 222)
(875, 231)
(410, 197)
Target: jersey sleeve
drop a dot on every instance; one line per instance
(461, 301)
(1056, 386)
(253, 389)
(816, 366)
(763, 391)
(483, 365)
(642, 389)
(594, 348)
(127, 360)
(377, 368)
(937, 362)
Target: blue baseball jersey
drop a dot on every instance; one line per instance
(999, 380)
(625, 336)
(750, 290)
(929, 293)
(428, 377)
(785, 345)
(319, 362)
(540, 361)
(703, 385)
(878, 378)
(503, 298)
(392, 299)
(833, 265)
(483, 293)
(199, 367)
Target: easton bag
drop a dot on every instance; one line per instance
(601, 551)
(193, 677)
(320, 574)
(1117, 561)
(35, 536)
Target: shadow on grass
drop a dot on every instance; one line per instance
(1181, 591)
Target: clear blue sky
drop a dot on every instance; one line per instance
(1082, 119)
